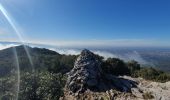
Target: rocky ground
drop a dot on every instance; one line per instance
(159, 91)
(87, 81)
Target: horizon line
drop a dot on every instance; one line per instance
(95, 43)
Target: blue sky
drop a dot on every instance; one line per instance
(88, 22)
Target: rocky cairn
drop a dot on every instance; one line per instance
(87, 74)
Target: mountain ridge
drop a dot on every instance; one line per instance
(50, 76)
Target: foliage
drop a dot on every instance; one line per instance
(41, 86)
(115, 66)
(133, 66)
(49, 78)
(153, 74)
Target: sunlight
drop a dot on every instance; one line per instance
(14, 26)
(18, 72)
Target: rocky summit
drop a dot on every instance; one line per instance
(87, 81)
(87, 76)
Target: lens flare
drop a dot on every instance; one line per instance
(14, 26)
(18, 72)
(18, 33)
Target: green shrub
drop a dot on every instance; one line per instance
(115, 66)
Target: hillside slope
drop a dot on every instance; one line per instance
(59, 76)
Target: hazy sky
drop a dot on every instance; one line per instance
(88, 22)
